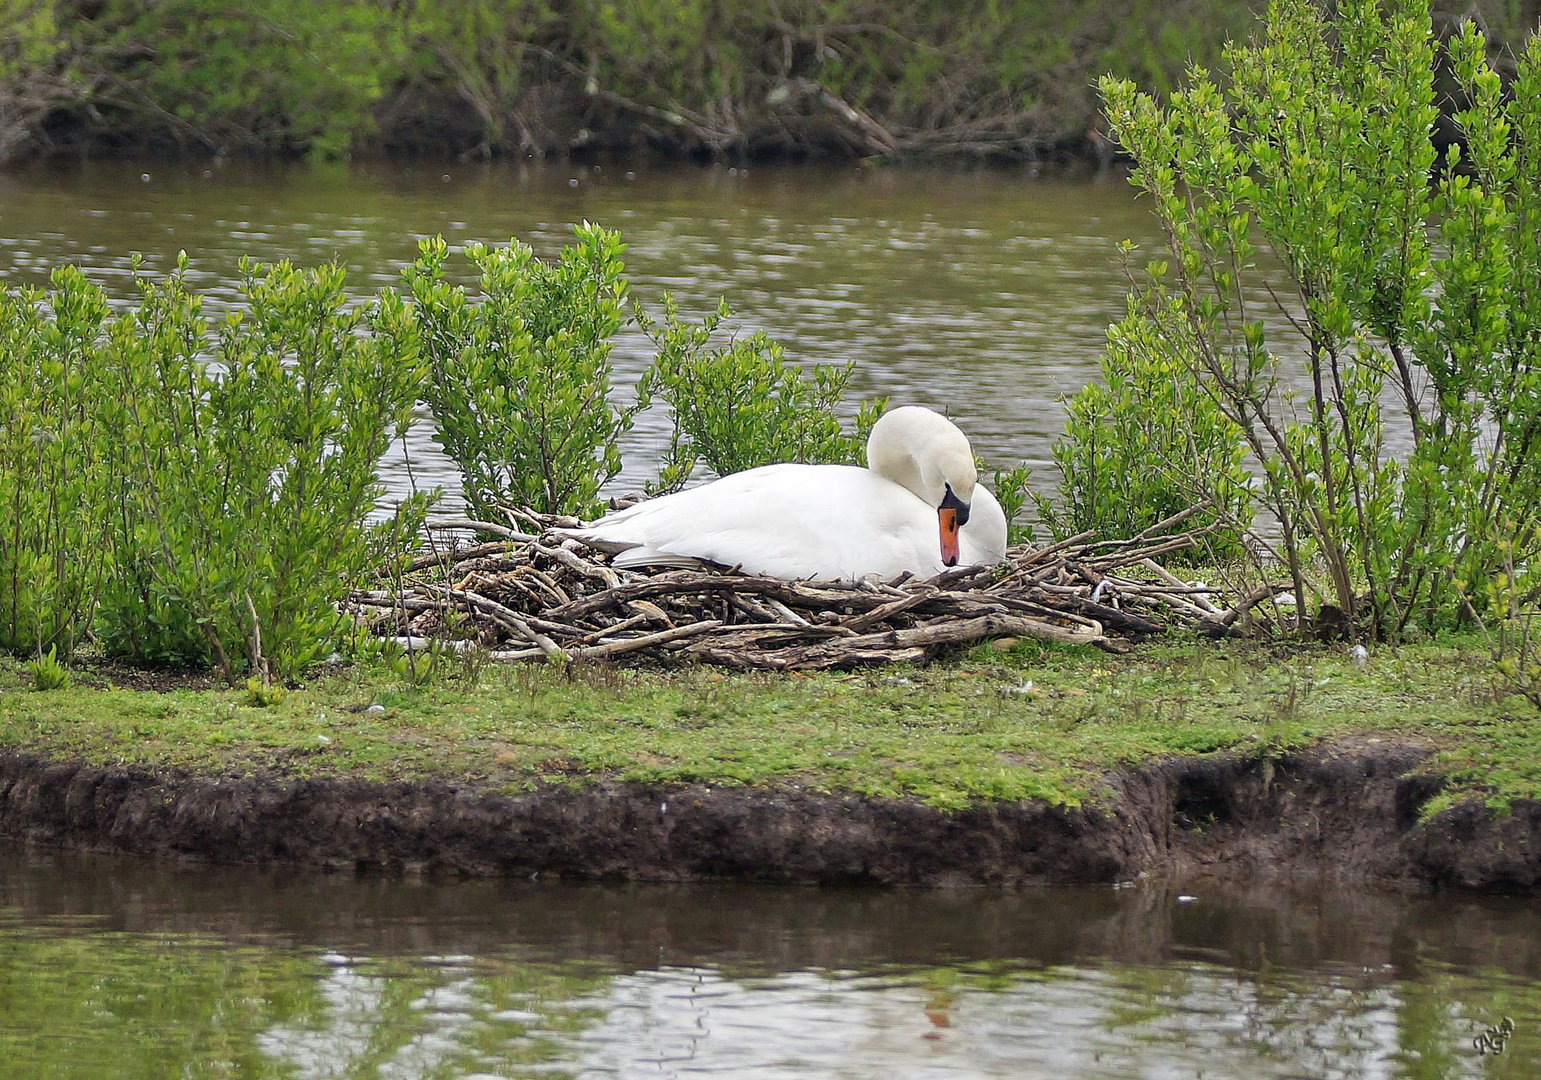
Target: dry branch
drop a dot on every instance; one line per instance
(537, 595)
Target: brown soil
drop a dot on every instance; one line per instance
(99, 672)
(1346, 812)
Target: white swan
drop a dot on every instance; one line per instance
(917, 508)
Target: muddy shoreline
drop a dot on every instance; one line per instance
(1346, 811)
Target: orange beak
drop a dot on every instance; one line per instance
(948, 518)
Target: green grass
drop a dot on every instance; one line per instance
(1032, 722)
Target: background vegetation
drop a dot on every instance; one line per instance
(1010, 79)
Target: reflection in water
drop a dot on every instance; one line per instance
(111, 968)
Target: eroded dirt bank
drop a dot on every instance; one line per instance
(1346, 811)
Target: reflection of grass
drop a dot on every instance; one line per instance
(118, 1005)
(1318, 1022)
(121, 1005)
(1031, 722)
(130, 1005)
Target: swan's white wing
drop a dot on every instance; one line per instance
(641, 556)
(799, 521)
(789, 521)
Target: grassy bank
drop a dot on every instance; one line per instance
(1032, 722)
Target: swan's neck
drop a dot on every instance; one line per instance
(896, 463)
(922, 451)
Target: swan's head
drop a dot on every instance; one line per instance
(925, 452)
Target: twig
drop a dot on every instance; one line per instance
(480, 526)
(548, 597)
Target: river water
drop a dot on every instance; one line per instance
(983, 293)
(116, 968)
(986, 294)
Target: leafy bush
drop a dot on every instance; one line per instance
(221, 77)
(46, 672)
(520, 382)
(261, 695)
(1510, 617)
(1145, 444)
(744, 404)
(54, 484)
(1012, 488)
(1411, 306)
(249, 466)
(29, 44)
(482, 55)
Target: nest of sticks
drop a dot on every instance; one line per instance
(529, 594)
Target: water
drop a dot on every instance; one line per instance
(120, 968)
(985, 294)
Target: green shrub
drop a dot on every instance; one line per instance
(46, 672)
(250, 451)
(54, 484)
(1508, 612)
(1012, 488)
(1147, 443)
(520, 382)
(1316, 158)
(261, 695)
(260, 75)
(29, 46)
(744, 404)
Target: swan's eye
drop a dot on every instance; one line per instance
(955, 504)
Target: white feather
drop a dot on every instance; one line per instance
(823, 521)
